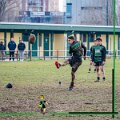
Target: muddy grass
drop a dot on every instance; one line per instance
(22, 99)
(87, 96)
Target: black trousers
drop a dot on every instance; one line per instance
(11, 55)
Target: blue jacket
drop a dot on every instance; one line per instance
(11, 45)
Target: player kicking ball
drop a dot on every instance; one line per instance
(76, 52)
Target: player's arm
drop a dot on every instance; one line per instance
(104, 54)
(46, 102)
(93, 54)
(40, 105)
(70, 51)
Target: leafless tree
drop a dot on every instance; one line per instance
(106, 12)
(105, 17)
(2, 9)
(8, 10)
(110, 12)
(95, 12)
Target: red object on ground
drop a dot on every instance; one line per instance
(57, 64)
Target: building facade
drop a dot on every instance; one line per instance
(54, 5)
(89, 12)
(42, 11)
(68, 13)
(51, 40)
(36, 11)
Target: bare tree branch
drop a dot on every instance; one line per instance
(6, 6)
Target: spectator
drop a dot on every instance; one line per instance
(12, 47)
(2, 50)
(21, 48)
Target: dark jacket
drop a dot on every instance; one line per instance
(2, 47)
(21, 46)
(11, 45)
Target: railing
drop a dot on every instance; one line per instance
(46, 54)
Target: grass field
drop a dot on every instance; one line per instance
(30, 79)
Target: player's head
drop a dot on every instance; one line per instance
(71, 39)
(41, 97)
(99, 41)
(12, 39)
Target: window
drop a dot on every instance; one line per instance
(69, 10)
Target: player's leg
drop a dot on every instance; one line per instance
(97, 71)
(58, 65)
(65, 62)
(98, 74)
(90, 66)
(10, 56)
(94, 69)
(13, 55)
(103, 71)
(44, 110)
(74, 69)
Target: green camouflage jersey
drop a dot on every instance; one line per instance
(99, 53)
(76, 50)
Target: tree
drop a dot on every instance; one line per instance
(2, 9)
(8, 10)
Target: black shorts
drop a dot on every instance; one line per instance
(98, 63)
(75, 63)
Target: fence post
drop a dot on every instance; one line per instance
(30, 55)
(51, 54)
(44, 54)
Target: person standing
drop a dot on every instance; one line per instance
(2, 50)
(76, 52)
(12, 47)
(99, 58)
(21, 48)
(91, 51)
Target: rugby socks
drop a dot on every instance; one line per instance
(104, 78)
(98, 78)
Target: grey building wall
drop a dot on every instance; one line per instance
(90, 12)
